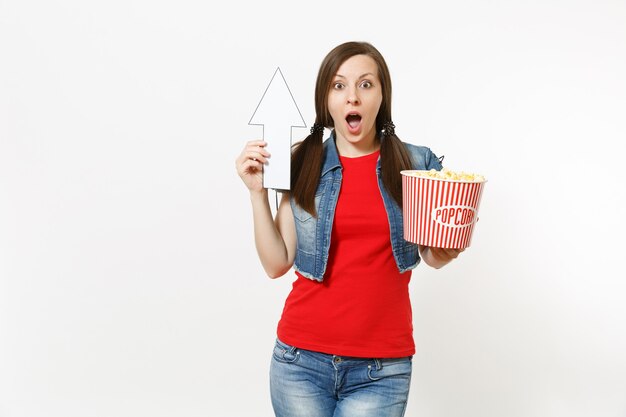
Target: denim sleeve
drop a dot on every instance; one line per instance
(433, 162)
(424, 158)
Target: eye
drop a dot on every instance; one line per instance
(338, 85)
(366, 84)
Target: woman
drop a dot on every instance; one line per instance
(345, 342)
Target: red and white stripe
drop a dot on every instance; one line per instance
(423, 195)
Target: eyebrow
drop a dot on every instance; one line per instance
(362, 76)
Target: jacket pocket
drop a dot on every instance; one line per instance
(301, 214)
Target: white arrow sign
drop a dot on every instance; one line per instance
(277, 112)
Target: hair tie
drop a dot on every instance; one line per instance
(317, 128)
(388, 129)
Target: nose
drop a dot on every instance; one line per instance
(353, 97)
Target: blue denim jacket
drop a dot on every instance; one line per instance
(313, 233)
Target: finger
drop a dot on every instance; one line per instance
(250, 163)
(256, 147)
(252, 167)
(262, 156)
(252, 154)
(258, 155)
(443, 254)
(257, 150)
(259, 142)
(242, 165)
(453, 253)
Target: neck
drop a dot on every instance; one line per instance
(352, 149)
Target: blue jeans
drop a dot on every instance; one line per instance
(304, 383)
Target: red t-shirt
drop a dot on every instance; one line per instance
(362, 307)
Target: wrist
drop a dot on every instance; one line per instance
(258, 195)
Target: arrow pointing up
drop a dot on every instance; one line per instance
(277, 112)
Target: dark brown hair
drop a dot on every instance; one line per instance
(306, 160)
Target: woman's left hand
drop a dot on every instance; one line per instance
(438, 257)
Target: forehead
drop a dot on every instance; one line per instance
(356, 66)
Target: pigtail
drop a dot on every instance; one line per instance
(306, 164)
(394, 157)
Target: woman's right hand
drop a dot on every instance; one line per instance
(250, 162)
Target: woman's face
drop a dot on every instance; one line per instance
(353, 102)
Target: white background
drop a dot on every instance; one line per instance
(129, 282)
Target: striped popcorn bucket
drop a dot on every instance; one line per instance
(440, 213)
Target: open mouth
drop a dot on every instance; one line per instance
(354, 120)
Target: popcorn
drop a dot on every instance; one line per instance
(446, 174)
